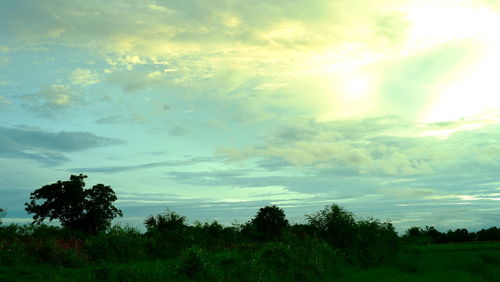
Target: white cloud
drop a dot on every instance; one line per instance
(84, 77)
(51, 99)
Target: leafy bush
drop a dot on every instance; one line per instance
(335, 225)
(270, 221)
(192, 262)
(119, 244)
(168, 222)
(212, 235)
(167, 234)
(376, 241)
(2, 214)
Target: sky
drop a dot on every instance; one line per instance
(214, 109)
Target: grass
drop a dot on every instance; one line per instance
(277, 262)
(445, 262)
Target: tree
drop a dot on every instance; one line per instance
(270, 220)
(335, 224)
(2, 214)
(170, 221)
(88, 210)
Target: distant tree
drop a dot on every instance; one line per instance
(490, 234)
(334, 224)
(2, 214)
(89, 210)
(414, 232)
(459, 235)
(270, 220)
(167, 222)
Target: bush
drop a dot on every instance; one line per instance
(192, 262)
(270, 221)
(376, 242)
(168, 222)
(213, 234)
(119, 244)
(335, 225)
(2, 214)
(167, 234)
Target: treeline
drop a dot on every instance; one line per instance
(267, 247)
(429, 235)
(365, 241)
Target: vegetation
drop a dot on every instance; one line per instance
(333, 245)
(88, 210)
(2, 214)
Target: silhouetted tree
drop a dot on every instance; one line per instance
(459, 235)
(2, 214)
(88, 210)
(490, 234)
(270, 220)
(169, 221)
(335, 225)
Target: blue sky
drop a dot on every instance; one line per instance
(217, 108)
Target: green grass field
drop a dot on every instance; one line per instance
(278, 262)
(477, 261)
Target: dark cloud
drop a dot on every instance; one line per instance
(177, 131)
(117, 169)
(47, 147)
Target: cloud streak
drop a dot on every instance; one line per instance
(49, 148)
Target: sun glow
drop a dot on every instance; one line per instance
(474, 93)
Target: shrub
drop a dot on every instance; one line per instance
(335, 225)
(167, 234)
(192, 262)
(2, 214)
(268, 223)
(121, 244)
(375, 242)
(164, 223)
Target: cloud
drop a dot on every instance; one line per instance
(4, 49)
(403, 193)
(118, 169)
(372, 147)
(177, 131)
(49, 148)
(273, 57)
(4, 101)
(84, 77)
(52, 99)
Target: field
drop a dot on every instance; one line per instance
(476, 261)
(309, 260)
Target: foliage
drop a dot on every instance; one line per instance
(430, 235)
(375, 243)
(490, 234)
(171, 250)
(167, 222)
(118, 244)
(167, 234)
(271, 221)
(89, 210)
(334, 224)
(2, 214)
(213, 234)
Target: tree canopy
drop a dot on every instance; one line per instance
(2, 214)
(270, 220)
(90, 210)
